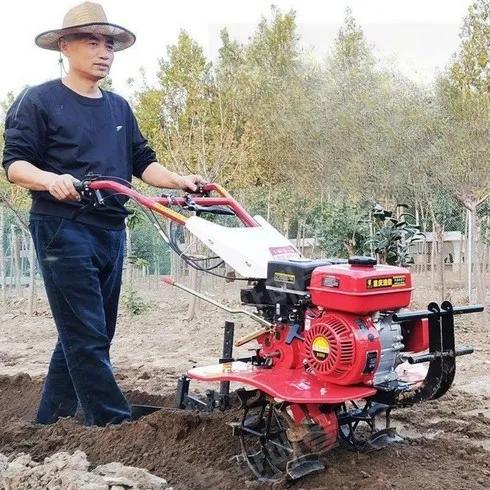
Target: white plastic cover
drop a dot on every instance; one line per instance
(247, 250)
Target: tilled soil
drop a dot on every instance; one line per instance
(195, 451)
(447, 442)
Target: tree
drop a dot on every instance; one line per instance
(469, 72)
(393, 235)
(188, 116)
(272, 91)
(14, 197)
(106, 84)
(362, 126)
(342, 227)
(4, 107)
(460, 149)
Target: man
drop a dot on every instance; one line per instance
(55, 133)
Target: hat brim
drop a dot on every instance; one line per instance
(123, 38)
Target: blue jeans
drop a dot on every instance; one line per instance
(82, 269)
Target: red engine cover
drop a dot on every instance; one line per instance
(342, 348)
(361, 289)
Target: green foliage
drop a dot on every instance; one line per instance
(342, 228)
(133, 302)
(470, 70)
(393, 236)
(459, 154)
(136, 217)
(106, 84)
(449, 211)
(16, 197)
(4, 107)
(300, 141)
(148, 247)
(352, 52)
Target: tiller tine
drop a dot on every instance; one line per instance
(138, 411)
(250, 398)
(303, 465)
(383, 438)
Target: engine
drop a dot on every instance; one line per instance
(334, 319)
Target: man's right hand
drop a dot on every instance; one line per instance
(61, 187)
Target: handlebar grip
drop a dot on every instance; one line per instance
(78, 184)
(203, 189)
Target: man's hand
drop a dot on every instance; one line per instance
(190, 183)
(157, 175)
(61, 187)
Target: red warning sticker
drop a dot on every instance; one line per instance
(285, 253)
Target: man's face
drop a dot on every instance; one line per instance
(89, 55)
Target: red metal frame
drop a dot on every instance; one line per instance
(162, 204)
(293, 385)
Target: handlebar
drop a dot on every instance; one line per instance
(201, 201)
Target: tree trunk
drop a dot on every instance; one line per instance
(440, 243)
(299, 236)
(469, 256)
(425, 248)
(349, 245)
(303, 237)
(460, 264)
(480, 279)
(269, 206)
(129, 265)
(176, 269)
(417, 220)
(371, 233)
(424, 256)
(16, 252)
(157, 269)
(173, 265)
(485, 262)
(11, 269)
(286, 227)
(433, 258)
(474, 259)
(193, 283)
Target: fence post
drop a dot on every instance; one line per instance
(2, 257)
(469, 256)
(32, 278)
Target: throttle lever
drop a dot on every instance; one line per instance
(82, 187)
(98, 198)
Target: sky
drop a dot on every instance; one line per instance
(419, 36)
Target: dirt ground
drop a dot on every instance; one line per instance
(447, 443)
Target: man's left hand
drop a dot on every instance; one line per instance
(190, 183)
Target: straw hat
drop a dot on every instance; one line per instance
(86, 18)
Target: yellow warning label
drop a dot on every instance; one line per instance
(320, 348)
(283, 277)
(386, 282)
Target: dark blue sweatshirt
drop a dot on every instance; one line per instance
(60, 131)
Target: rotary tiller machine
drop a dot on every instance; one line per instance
(336, 349)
